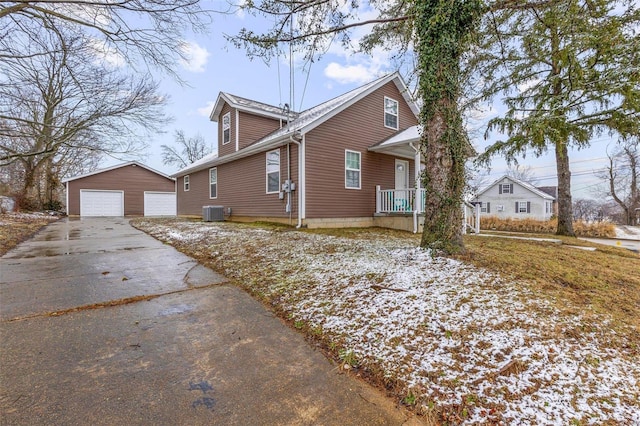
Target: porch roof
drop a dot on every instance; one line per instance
(400, 143)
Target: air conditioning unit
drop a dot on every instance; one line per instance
(213, 213)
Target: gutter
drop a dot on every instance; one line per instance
(300, 173)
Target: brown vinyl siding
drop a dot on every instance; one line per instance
(131, 179)
(242, 185)
(356, 129)
(254, 127)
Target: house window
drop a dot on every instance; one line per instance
(390, 113)
(185, 181)
(273, 171)
(523, 207)
(213, 183)
(352, 169)
(485, 207)
(226, 128)
(547, 206)
(506, 188)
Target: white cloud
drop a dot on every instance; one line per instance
(106, 53)
(205, 111)
(346, 74)
(196, 56)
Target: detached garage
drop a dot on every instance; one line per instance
(129, 189)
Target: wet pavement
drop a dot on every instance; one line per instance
(101, 324)
(633, 245)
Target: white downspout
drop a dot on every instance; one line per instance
(300, 177)
(418, 198)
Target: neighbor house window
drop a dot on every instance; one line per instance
(390, 113)
(185, 181)
(226, 128)
(213, 183)
(523, 207)
(352, 169)
(506, 188)
(273, 171)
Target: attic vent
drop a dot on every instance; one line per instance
(213, 213)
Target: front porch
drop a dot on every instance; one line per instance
(404, 209)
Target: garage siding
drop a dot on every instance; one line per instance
(132, 179)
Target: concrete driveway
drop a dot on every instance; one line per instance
(103, 325)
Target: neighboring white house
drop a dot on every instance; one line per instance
(508, 197)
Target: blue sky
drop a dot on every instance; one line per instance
(218, 66)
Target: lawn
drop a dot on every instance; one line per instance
(513, 332)
(16, 227)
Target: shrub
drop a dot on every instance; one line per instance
(581, 228)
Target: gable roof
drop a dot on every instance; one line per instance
(305, 121)
(246, 105)
(523, 184)
(117, 166)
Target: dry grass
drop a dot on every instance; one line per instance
(581, 228)
(605, 281)
(17, 227)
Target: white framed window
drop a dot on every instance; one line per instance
(273, 171)
(213, 183)
(485, 207)
(185, 183)
(390, 113)
(523, 207)
(226, 128)
(506, 188)
(547, 207)
(352, 168)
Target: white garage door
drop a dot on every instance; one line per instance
(159, 203)
(101, 203)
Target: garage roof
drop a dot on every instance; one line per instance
(106, 169)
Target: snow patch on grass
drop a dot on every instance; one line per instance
(479, 347)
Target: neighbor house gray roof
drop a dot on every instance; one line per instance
(525, 185)
(304, 122)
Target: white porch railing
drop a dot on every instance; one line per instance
(405, 201)
(398, 200)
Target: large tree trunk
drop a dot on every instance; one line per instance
(565, 213)
(443, 29)
(443, 181)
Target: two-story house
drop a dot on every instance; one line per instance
(350, 161)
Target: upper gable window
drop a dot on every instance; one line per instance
(185, 181)
(226, 128)
(273, 171)
(506, 188)
(390, 113)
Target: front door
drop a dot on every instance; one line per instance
(402, 199)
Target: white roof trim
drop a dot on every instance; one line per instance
(234, 103)
(525, 185)
(409, 135)
(117, 166)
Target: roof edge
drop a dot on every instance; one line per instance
(117, 166)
